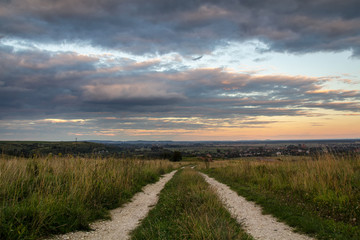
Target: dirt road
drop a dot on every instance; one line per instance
(125, 218)
(264, 227)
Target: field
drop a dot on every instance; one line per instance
(41, 196)
(44, 196)
(319, 196)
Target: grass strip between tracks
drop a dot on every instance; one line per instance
(189, 209)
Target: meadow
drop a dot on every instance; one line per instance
(42, 196)
(318, 196)
(51, 195)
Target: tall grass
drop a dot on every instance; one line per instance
(327, 186)
(44, 196)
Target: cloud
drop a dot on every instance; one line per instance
(147, 80)
(339, 106)
(143, 93)
(58, 85)
(189, 27)
(54, 120)
(67, 94)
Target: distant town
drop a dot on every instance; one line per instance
(228, 150)
(188, 150)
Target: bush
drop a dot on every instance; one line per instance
(176, 156)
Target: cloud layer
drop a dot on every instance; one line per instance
(41, 83)
(159, 83)
(188, 26)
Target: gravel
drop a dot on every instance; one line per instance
(126, 218)
(264, 227)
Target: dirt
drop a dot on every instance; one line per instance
(264, 227)
(126, 218)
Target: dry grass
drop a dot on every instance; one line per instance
(337, 178)
(327, 186)
(55, 195)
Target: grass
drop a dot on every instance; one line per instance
(44, 196)
(188, 209)
(319, 197)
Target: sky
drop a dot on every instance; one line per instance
(187, 70)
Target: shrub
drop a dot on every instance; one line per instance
(176, 156)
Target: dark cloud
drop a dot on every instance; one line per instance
(338, 106)
(37, 85)
(189, 27)
(103, 95)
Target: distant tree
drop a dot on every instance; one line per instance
(176, 156)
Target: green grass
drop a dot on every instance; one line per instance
(44, 196)
(319, 197)
(188, 209)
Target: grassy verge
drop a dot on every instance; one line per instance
(319, 197)
(40, 197)
(188, 209)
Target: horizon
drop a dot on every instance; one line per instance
(190, 141)
(185, 71)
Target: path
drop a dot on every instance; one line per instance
(264, 227)
(126, 218)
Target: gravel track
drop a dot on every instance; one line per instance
(264, 227)
(126, 218)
